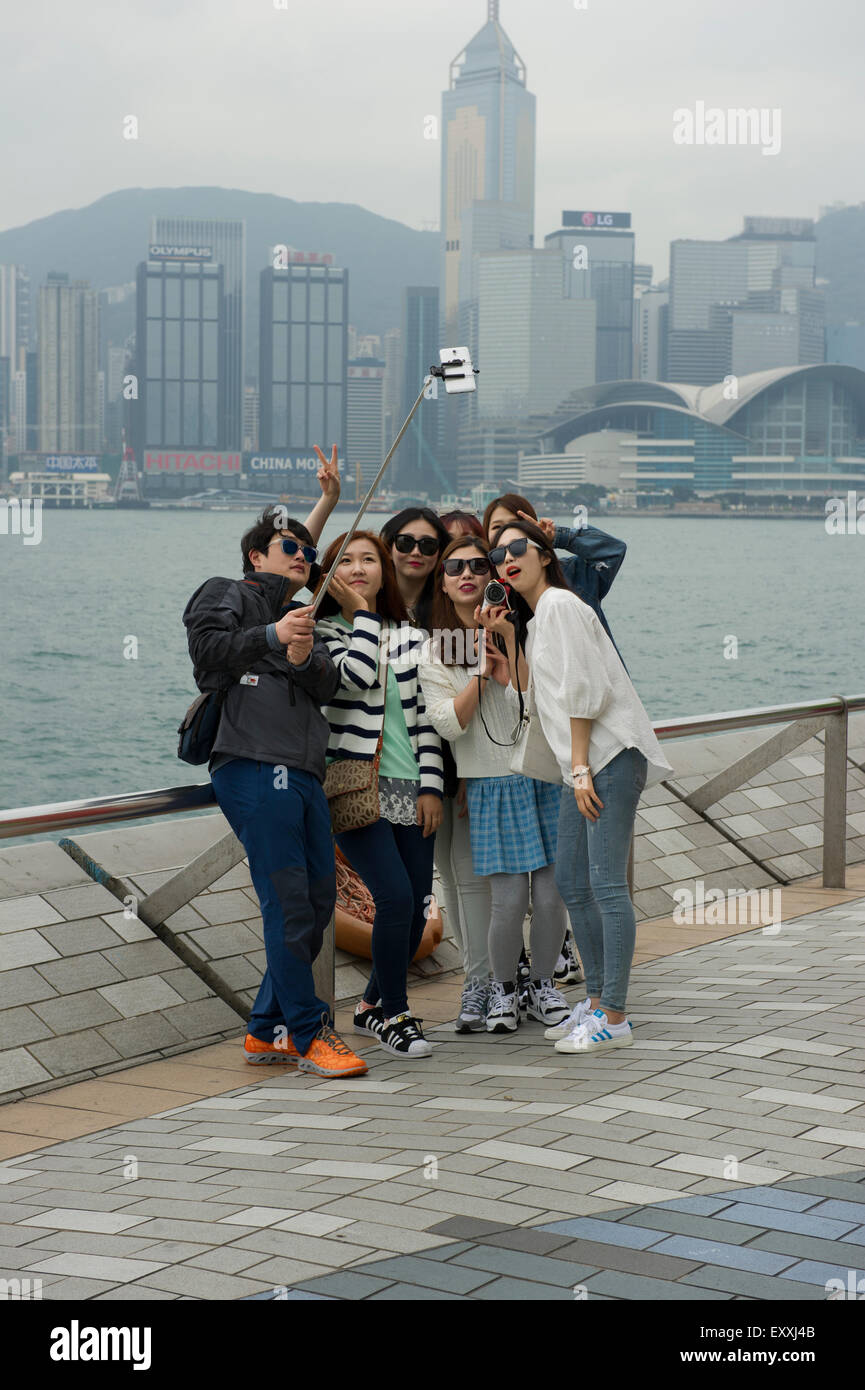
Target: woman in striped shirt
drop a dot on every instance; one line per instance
(376, 653)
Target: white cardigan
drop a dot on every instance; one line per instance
(578, 674)
(476, 755)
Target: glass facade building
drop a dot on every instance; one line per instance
(607, 278)
(303, 357)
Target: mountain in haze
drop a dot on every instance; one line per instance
(103, 243)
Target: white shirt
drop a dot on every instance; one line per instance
(576, 673)
(475, 753)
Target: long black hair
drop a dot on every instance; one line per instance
(555, 574)
(389, 533)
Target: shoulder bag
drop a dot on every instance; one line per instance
(533, 756)
(351, 785)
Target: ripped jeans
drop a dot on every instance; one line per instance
(283, 823)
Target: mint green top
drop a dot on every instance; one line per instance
(397, 754)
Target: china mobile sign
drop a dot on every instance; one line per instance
(186, 461)
(285, 463)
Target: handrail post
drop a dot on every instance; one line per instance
(835, 799)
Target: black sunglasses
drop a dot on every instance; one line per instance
(514, 548)
(290, 547)
(479, 564)
(405, 543)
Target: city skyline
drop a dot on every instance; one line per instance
(605, 128)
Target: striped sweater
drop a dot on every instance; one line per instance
(356, 712)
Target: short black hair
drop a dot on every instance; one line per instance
(272, 520)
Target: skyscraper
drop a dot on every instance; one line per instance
(303, 354)
(227, 242)
(598, 254)
(68, 366)
(418, 468)
(488, 151)
(365, 447)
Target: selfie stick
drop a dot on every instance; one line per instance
(458, 375)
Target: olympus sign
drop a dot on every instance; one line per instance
(180, 253)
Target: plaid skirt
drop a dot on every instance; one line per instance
(513, 823)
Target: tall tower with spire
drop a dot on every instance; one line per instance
(488, 158)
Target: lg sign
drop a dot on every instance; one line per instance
(596, 219)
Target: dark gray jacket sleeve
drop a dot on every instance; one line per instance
(318, 675)
(216, 640)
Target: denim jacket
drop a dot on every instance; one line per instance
(591, 567)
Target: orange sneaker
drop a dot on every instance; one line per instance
(328, 1055)
(257, 1050)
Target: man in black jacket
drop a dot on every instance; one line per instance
(248, 639)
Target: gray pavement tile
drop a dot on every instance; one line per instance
(763, 1286)
(434, 1274)
(320, 1250)
(278, 1272)
(801, 1223)
(173, 1251)
(75, 1290)
(89, 1243)
(225, 1259)
(611, 1232)
(781, 1197)
(529, 1239)
(395, 1239)
(716, 1252)
(408, 1293)
(448, 1250)
(347, 1284)
(204, 1283)
(199, 1232)
(639, 1287)
(655, 1263)
(843, 1211)
(806, 1247)
(813, 1272)
(466, 1228)
(685, 1224)
(699, 1206)
(518, 1291)
(518, 1264)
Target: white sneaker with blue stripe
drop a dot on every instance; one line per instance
(596, 1034)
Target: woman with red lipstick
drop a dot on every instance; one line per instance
(415, 538)
(380, 705)
(607, 751)
(512, 819)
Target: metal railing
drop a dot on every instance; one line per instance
(829, 713)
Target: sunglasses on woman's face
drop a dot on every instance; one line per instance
(427, 545)
(514, 548)
(290, 547)
(479, 564)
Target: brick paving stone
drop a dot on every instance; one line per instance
(716, 1252)
(805, 1247)
(205, 1283)
(519, 1264)
(687, 1224)
(118, 1271)
(410, 1293)
(507, 1290)
(530, 1240)
(605, 1256)
(458, 1204)
(639, 1287)
(434, 1274)
(610, 1232)
(798, 1223)
(763, 1286)
(814, 1272)
(842, 1210)
(346, 1284)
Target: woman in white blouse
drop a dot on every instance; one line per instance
(592, 718)
(513, 820)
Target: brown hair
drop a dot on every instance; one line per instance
(443, 614)
(469, 524)
(514, 503)
(389, 602)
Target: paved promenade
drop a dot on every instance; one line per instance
(722, 1157)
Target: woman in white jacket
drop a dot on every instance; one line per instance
(607, 751)
(512, 819)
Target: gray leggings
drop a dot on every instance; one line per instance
(510, 902)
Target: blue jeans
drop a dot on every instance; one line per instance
(592, 877)
(396, 864)
(281, 818)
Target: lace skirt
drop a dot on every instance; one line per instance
(397, 800)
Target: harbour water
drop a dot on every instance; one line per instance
(709, 614)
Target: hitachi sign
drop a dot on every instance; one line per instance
(197, 462)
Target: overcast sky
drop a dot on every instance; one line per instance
(325, 101)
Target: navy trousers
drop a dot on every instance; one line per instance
(281, 817)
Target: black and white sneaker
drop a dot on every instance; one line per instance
(369, 1021)
(546, 1004)
(403, 1036)
(473, 1006)
(503, 1009)
(568, 970)
(524, 978)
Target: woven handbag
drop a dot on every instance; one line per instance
(351, 787)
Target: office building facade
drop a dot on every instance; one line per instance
(68, 363)
(303, 355)
(227, 242)
(597, 251)
(365, 448)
